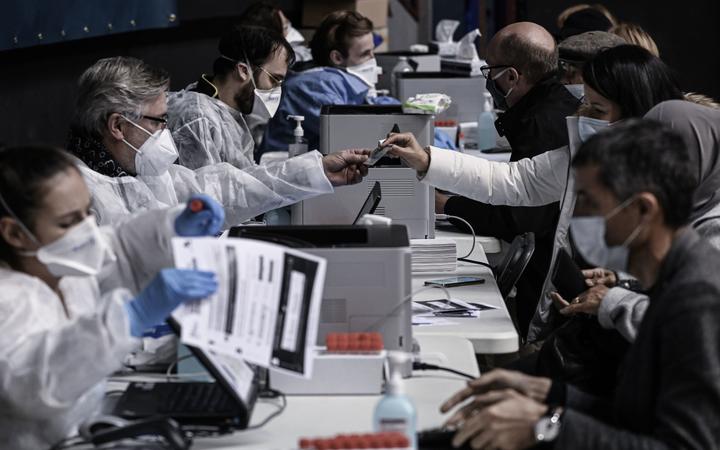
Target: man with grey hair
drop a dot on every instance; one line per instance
(120, 133)
(576, 50)
(522, 63)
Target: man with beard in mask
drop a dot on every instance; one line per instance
(522, 62)
(207, 119)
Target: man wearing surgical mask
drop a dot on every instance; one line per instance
(346, 74)
(208, 119)
(520, 75)
(121, 136)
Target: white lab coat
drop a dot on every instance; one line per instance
(527, 182)
(544, 179)
(244, 193)
(53, 364)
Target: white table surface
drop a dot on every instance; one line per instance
(493, 331)
(325, 416)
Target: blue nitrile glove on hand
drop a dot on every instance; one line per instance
(167, 291)
(203, 216)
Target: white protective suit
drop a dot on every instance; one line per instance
(244, 193)
(53, 364)
(207, 131)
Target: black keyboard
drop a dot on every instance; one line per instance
(438, 439)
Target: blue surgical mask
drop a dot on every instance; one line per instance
(589, 237)
(494, 90)
(577, 90)
(588, 126)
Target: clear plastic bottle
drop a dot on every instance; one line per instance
(299, 144)
(395, 411)
(486, 133)
(402, 66)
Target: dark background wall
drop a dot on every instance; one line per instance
(686, 32)
(37, 84)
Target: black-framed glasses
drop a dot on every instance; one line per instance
(485, 70)
(161, 121)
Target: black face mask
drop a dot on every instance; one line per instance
(498, 96)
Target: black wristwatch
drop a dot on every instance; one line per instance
(630, 284)
(547, 428)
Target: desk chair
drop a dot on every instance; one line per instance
(513, 264)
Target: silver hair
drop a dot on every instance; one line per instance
(120, 85)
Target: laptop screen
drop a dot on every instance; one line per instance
(371, 202)
(237, 377)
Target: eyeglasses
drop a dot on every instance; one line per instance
(161, 121)
(273, 79)
(485, 70)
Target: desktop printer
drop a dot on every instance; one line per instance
(367, 288)
(368, 280)
(405, 200)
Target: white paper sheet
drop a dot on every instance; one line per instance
(258, 283)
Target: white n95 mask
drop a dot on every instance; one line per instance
(269, 99)
(367, 71)
(156, 155)
(80, 252)
(588, 126)
(267, 102)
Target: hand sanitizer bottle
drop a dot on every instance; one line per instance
(395, 411)
(486, 133)
(299, 145)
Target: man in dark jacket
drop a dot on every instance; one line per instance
(522, 61)
(638, 178)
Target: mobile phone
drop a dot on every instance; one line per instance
(455, 281)
(378, 153)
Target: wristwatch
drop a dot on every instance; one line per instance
(548, 427)
(630, 284)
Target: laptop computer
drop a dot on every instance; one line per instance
(371, 202)
(228, 402)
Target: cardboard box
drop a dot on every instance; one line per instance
(314, 11)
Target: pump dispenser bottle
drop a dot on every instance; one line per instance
(299, 144)
(486, 134)
(395, 411)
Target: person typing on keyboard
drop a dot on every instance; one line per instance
(638, 179)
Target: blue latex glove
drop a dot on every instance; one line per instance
(383, 100)
(207, 222)
(442, 140)
(167, 291)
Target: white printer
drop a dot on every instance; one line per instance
(405, 200)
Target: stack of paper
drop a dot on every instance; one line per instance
(433, 255)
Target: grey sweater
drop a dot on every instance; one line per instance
(668, 395)
(624, 310)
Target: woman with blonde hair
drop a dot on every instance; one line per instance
(634, 34)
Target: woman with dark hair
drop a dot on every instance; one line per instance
(623, 82)
(631, 80)
(63, 328)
